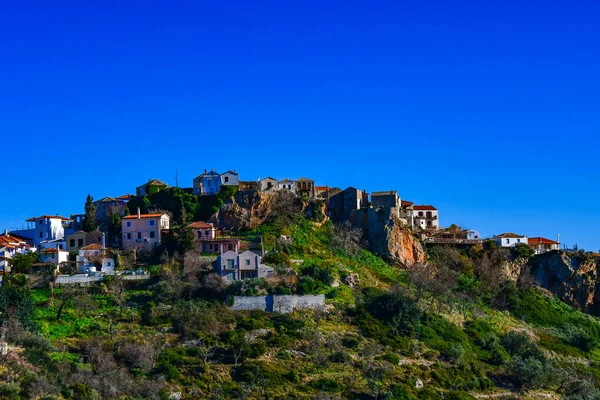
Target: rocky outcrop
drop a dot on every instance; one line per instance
(389, 237)
(246, 210)
(572, 277)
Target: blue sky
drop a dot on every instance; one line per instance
(488, 111)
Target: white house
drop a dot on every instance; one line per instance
(472, 234)
(542, 245)
(509, 239)
(93, 259)
(425, 217)
(230, 178)
(9, 247)
(44, 228)
(54, 255)
(207, 184)
(287, 184)
(233, 266)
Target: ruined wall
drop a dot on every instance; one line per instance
(278, 303)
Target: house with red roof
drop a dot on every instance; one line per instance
(423, 216)
(144, 231)
(204, 230)
(10, 246)
(542, 245)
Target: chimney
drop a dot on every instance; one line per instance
(558, 238)
(138, 213)
(204, 170)
(103, 241)
(6, 232)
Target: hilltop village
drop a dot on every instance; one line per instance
(110, 236)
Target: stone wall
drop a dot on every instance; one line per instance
(278, 303)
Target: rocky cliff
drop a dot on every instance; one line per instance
(246, 210)
(573, 277)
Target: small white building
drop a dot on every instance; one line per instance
(95, 258)
(287, 184)
(9, 247)
(204, 230)
(509, 239)
(424, 216)
(54, 256)
(230, 178)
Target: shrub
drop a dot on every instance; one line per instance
(278, 258)
(391, 358)
(321, 272)
(399, 311)
(522, 250)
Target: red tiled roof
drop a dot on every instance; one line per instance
(405, 203)
(200, 225)
(125, 197)
(540, 240)
(134, 216)
(425, 207)
(50, 250)
(93, 246)
(321, 188)
(48, 216)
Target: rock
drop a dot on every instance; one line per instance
(352, 280)
(419, 384)
(572, 277)
(175, 396)
(3, 348)
(335, 284)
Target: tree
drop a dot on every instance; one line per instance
(89, 222)
(522, 250)
(345, 239)
(21, 263)
(114, 230)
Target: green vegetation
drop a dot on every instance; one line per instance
(459, 328)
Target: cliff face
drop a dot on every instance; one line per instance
(246, 210)
(571, 277)
(389, 238)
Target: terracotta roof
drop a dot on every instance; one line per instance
(200, 225)
(321, 188)
(93, 246)
(509, 235)
(540, 240)
(125, 197)
(424, 208)
(48, 216)
(134, 216)
(13, 235)
(49, 250)
(405, 203)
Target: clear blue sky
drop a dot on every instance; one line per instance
(488, 110)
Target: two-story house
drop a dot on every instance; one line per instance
(79, 239)
(542, 245)
(425, 217)
(204, 230)
(54, 255)
(286, 184)
(143, 231)
(268, 184)
(44, 228)
(233, 266)
(305, 187)
(509, 239)
(207, 184)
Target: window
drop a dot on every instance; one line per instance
(518, 240)
(199, 234)
(428, 214)
(152, 222)
(41, 235)
(128, 235)
(139, 235)
(109, 264)
(230, 264)
(129, 224)
(226, 179)
(152, 235)
(507, 241)
(247, 262)
(79, 242)
(41, 221)
(229, 246)
(60, 246)
(72, 242)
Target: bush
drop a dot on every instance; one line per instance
(321, 272)
(391, 358)
(399, 311)
(278, 258)
(522, 250)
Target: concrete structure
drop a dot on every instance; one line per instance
(233, 266)
(207, 184)
(509, 239)
(143, 231)
(151, 187)
(44, 228)
(248, 185)
(542, 245)
(75, 241)
(305, 187)
(95, 258)
(218, 246)
(230, 178)
(286, 184)
(342, 205)
(322, 192)
(278, 303)
(425, 217)
(268, 184)
(472, 234)
(388, 200)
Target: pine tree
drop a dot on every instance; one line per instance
(89, 222)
